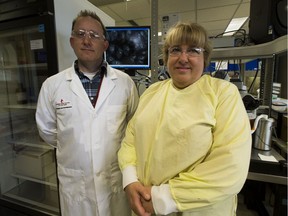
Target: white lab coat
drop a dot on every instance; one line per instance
(87, 140)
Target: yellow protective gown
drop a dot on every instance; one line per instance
(197, 140)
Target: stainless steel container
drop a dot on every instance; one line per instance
(263, 134)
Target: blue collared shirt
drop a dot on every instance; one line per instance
(91, 86)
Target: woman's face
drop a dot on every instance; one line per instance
(185, 65)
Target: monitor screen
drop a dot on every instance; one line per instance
(129, 47)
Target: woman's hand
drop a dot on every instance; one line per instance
(138, 194)
(147, 204)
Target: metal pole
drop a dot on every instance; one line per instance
(154, 41)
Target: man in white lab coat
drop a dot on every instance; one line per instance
(82, 112)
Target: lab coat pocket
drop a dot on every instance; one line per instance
(71, 183)
(116, 115)
(64, 114)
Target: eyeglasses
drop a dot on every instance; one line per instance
(190, 52)
(81, 34)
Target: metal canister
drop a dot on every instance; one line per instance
(263, 134)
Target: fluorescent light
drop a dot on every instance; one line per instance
(235, 25)
(159, 34)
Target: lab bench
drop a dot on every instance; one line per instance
(268, 171)
(262, 174)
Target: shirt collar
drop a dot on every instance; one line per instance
(103, 69)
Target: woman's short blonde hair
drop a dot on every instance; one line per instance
(191, 34)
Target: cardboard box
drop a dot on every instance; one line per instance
(35, 163)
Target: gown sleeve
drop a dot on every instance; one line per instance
(224, 170)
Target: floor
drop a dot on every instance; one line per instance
(241, 210)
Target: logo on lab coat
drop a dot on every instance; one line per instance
(63, 104)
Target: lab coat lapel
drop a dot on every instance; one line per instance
(106, 87)
(77, 87)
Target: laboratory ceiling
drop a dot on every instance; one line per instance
(214, 15)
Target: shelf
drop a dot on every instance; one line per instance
(28, 106)
(267, 171)
(264, 50)
(15, 131)
(36, 195)
(32, 143)
(19, 66)
(53, 182)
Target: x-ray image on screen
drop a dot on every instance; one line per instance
(129, 47)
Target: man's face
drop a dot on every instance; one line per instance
(87, 47)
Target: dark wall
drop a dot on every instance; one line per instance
(268, 20)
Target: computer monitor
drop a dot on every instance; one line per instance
(129, 48)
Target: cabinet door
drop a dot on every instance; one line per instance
(27, 164)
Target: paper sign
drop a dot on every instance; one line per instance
(36, 44)
(270, 158)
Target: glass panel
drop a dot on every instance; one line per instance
(27, 164)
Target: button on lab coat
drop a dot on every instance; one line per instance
(87, 140)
